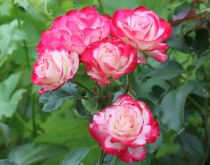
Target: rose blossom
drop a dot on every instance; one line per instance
(109, 58)
(144, 30)
(54, 68)
(75, 30)
(124, 128)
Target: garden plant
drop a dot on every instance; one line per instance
(104, 82)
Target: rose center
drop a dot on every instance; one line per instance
(125, 121)
(140, 24)
(108, 55)
(108, 58)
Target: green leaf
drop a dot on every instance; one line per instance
(8, 86)
(144, 89)
(76, 157)
(8, 98)
(5, 7)
(82, 110)
(30, 153)
(53, 100)
(117, 94)
(172, 107)
(33, 5)
(7, 162)
(90, 104)
(205, 56)
(9, 42)
(172, 104)
(191, 144)
(66, 126)
(5, 134)
(199, 89)
(83, 77)
(165, 150)
(176, 41)
(165, 71)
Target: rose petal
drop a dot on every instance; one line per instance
(133, 154)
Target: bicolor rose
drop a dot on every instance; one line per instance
(144, 30)
(54, 68)
(124, 128)
(75, 30)
(109, 58)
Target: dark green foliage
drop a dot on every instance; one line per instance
(30, 153)
(53, 100)
(76, 157)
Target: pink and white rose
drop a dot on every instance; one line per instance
(144, 30)
(54, 68)
(75, 31)
(109, 58)
(124, 128)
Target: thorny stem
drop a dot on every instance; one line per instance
(107, 92)
(82, 86)
(33, 116)
(34, 131)
(101, 101)
(21, 120)
(128, 83)
(24, 41)
(26, 52)
(101, 157)
(113, 161)
(128, 79)
(119, 83)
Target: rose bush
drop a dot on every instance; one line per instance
(54, 68)
(124, 128)
(75, 30)
(144, 30)
(109, 58)
(52, 128)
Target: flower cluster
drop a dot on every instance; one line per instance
(70, 34)
(108, 48)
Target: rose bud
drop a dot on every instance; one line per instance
(54, 68)
(109, 58)
(124, 128)
(144, 30)
(75, 30)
